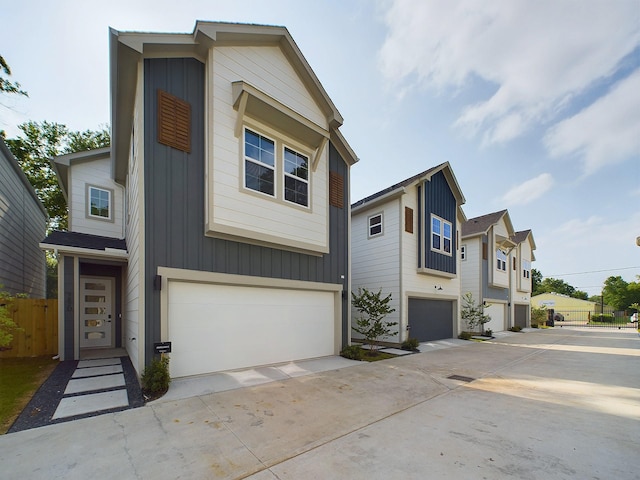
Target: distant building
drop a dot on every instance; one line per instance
(572, 309)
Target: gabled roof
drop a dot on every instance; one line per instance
(83, 241)
(62, 163)
(126, 48)
(521, 236)
(480, 225)
(399, 188)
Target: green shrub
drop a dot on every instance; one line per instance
(516, 328)
(410, 344)
(602, 318)
(465, 336)
(488, 333)
(352, 352)
(155, 377)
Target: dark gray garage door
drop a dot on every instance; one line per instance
(521, 313)
(430, 319)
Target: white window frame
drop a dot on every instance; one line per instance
(109, 193)
(501, 263)
(295, 177)
(378, 224)
(441, 249)
(258, 162)
(526, 269)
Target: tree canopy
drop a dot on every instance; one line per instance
(619, 293)
(38, 144)
(555, 285)
(6, 85)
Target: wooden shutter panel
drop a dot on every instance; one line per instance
(336, 190)
(408, 220)
(514, 263)
(174, 122)
(484, 251)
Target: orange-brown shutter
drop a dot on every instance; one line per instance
(408, 220)
(484, 251)
(174, 122)
(336, 190)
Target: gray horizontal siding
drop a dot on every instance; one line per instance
(175, 200)
(22, 228)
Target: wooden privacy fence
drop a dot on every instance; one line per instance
(38, 323)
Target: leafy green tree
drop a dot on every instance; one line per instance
(373, 308)
(536, 280)
(616, 293)
(6, 85)
(473, 313)
(581, 295)
(34, 149)
(538, 315)
(7, 325)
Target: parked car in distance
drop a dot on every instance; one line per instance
(558, 317)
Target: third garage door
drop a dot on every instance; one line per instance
(430, 319)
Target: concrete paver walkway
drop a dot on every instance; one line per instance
(553, 404)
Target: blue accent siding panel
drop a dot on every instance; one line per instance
(175, 200)
(440, 201)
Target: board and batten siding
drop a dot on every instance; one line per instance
(95, 173)
(440, 201)
(174, 203)
(22, 227)
(420, 285)
(232, 207)
(375, 261)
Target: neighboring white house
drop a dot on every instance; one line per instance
(487, 243)
(405, 241)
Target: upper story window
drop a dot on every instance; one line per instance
(296, 177)
(99, 205)
(274, 169)
(259, 163)
(463, 252)
(526, 269)
(440, 235)
(375, 225)
(501, 260)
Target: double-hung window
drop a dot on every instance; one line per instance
(526, 268)
(440, 235)
(296, 177)
(375, 225)
(99, 203)
(259, 163)
(274, 169)
(501, 260)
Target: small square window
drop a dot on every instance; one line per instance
(463, 252)
(99, 203)
(375, 225)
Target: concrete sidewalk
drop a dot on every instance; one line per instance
(558, 403)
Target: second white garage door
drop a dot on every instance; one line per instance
(496, 312)
(220, 327)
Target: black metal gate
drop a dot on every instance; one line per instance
(585, 318)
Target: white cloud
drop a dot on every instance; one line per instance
(606, 132)
(528, 191)
(538, 54)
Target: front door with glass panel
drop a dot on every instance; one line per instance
(95, 312)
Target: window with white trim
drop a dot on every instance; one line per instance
(526, 268)
(375, 225)
(463, 252)
(440, 235)
(501, 260)
(296, 177)
(259, 162)
(99, 203)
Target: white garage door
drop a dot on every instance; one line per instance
(496, 312)
(220, 327)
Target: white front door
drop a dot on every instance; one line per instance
(96, 326)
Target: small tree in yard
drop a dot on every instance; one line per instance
(538, 315)
(472, 313)
(7, 325)
(373, 308)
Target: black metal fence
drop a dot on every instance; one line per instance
(586, 318)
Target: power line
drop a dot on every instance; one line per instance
(592, 271)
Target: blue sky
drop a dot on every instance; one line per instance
(536, 105)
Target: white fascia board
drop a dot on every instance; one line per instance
(87, 252)
(392, 195)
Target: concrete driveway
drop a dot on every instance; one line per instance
(549, 404)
